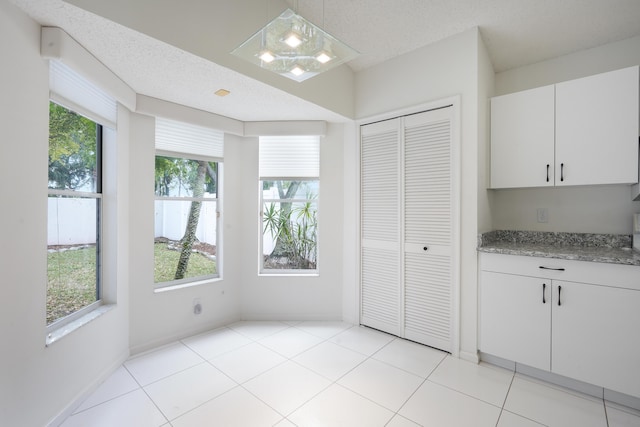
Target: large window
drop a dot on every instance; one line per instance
(289, 184)
(74, 208)
(187, 203)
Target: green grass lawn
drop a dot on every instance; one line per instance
(166, 262)
(71, 281)
(72, 276)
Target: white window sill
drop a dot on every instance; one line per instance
(285, 274)
(186, 285)
(65, 330)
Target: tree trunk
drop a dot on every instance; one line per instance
(279, 249)
(192, 223)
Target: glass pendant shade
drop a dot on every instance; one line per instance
(295, 48)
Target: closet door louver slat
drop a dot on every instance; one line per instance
(428, 223)
(380, 226)
(407, 227)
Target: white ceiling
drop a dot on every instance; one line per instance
(516, 33)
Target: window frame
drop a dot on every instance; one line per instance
(98, 196)
(290, 271)
(196, 280)
(288, 158)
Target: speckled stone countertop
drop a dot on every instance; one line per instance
(609, 248)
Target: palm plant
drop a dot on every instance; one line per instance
(295, 230)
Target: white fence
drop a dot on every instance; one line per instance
(72, 221)
(171, 218)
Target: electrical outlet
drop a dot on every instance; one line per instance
(197, 307)
(543, 215)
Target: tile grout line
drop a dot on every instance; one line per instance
(506, 396)
(331, 382)
(414, 392)
(147, 394)
(237, 384)
(224, 352)
(287, 359)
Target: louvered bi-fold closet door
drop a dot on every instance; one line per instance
(428, 228)
(380, 226)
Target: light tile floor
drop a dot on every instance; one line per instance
(284, 374)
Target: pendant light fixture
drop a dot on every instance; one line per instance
(294, 48)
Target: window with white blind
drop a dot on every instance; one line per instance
(289, 170)
(188, 181)
(79, 114)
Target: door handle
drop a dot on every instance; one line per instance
(425, 248)
(544, 287)
(561, 171)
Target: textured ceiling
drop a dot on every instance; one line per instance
(516, 33)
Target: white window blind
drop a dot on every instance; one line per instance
(198, 142)
(75, 92)
(289, 157)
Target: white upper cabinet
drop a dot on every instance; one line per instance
(580, 132)
(522, 139)
(597, 129)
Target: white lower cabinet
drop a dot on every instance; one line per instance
(596, 335)
(516, 320)
(585, 328)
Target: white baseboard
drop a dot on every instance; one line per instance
(469, 357)
(622, 399)
(160, 342)
(570, 383)
(87, 391)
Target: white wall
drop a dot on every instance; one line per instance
(161, 317)
(596, 209)
(443, 69)
(294, 297)
(486, 88)
(38, 382)
(351, 222)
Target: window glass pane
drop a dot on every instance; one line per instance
(73, 154)
(289, 240)
(175, 257)
(73, 228)
(72, 270)
(176, 177)
(185, 230)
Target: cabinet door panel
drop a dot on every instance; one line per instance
(597, 129)
(595, 335)
(515, 320)
(522, 139)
